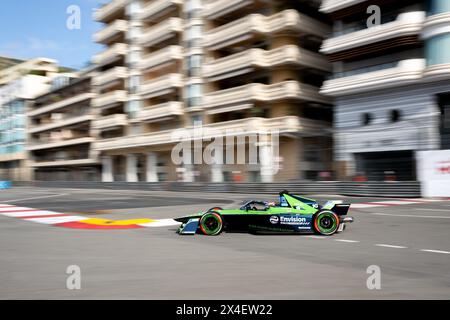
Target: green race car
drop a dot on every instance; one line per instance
(292, 214)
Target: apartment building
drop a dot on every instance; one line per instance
(391, 84)
(234, 68)
(19, 84)
(59, 131)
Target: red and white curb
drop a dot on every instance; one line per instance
(79, 222)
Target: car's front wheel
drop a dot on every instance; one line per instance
(326, 223)
(211, 224)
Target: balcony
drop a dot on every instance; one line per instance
(437, 72)
(111, 32)
(435, 25)
(61, 123)
(113, 53)
(109, 122)
(156, 9)
(62, 104)
(403, 73)
(59, 163)
(110, 99)
(257, 24)
(406, 24)
(160, 112)
(160, 32)
(57, 144)
(161, 57)
(249, 60)
(110, 77)
(161, 86)
(110, 10)
(245, 96)
(219, 8)
(329, 6)
(247, 126)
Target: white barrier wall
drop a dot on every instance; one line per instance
(433, 171)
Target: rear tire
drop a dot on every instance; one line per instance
(211, 224)
(326, 223)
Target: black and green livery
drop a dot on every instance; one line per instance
(292, 214)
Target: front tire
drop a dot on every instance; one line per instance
(326, 223)
(211, 224)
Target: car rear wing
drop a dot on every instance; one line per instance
(341, 209)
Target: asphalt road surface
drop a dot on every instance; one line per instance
(409, 242)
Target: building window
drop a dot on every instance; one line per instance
(193, 94)
(134, 84)
(395, 115)
(438, 49)
(193, 36)
(367, 119)
(438, 6)
(194, 64)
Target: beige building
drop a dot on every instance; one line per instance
(233, 68)
(59, 131)
(19, 84)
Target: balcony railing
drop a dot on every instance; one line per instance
(113, 53)
(406, 24)
(161, 86)
(110, 9)
(112, 121)
(160, 111)
(110, 76)
(106, 34)
(218, 8)
(160, 32)
(335, 5)
(82, 97)
(110, 99)
(161, 57)
(405, 72)
(437, 72)
(242, 29)
(62, 123)
(157, 8)
(250, 93)
(247, 126)
(36, 145)
(259, 58)
(68, 162)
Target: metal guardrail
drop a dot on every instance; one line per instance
(372, 189)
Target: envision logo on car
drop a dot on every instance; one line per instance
(274, 219)
(293, 220)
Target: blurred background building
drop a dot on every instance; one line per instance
(390, 84)
(59, 130)
(241, 65)
(20, 82)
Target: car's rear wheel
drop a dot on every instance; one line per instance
(211, 224)
(326, 223)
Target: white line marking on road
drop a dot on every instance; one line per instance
(435, 251)
(365, 205)
(428, 209)
(34, 198)
(14, 209)
(390, 246)
(56, 219)
(21, 214)
(315, 237)
(344, 240)
(408, 215)
(395, 202)
(161, 223)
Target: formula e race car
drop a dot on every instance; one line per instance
(293, 214)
